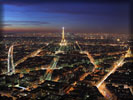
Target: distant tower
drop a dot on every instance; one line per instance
(10, 67)
(63, 41)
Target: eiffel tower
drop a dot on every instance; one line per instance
(63, 41)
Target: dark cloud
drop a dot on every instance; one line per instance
(24, 23)
(30, 2)
(84, 9)
(68, 8)
(6, 25)
(28, 22)
(21, 2)
(44, 1)
(97, 12)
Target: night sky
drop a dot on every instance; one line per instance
(29, 16)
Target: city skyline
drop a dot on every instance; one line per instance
(65, 50)
(23, 16)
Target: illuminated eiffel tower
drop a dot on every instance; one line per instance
(63, 41)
